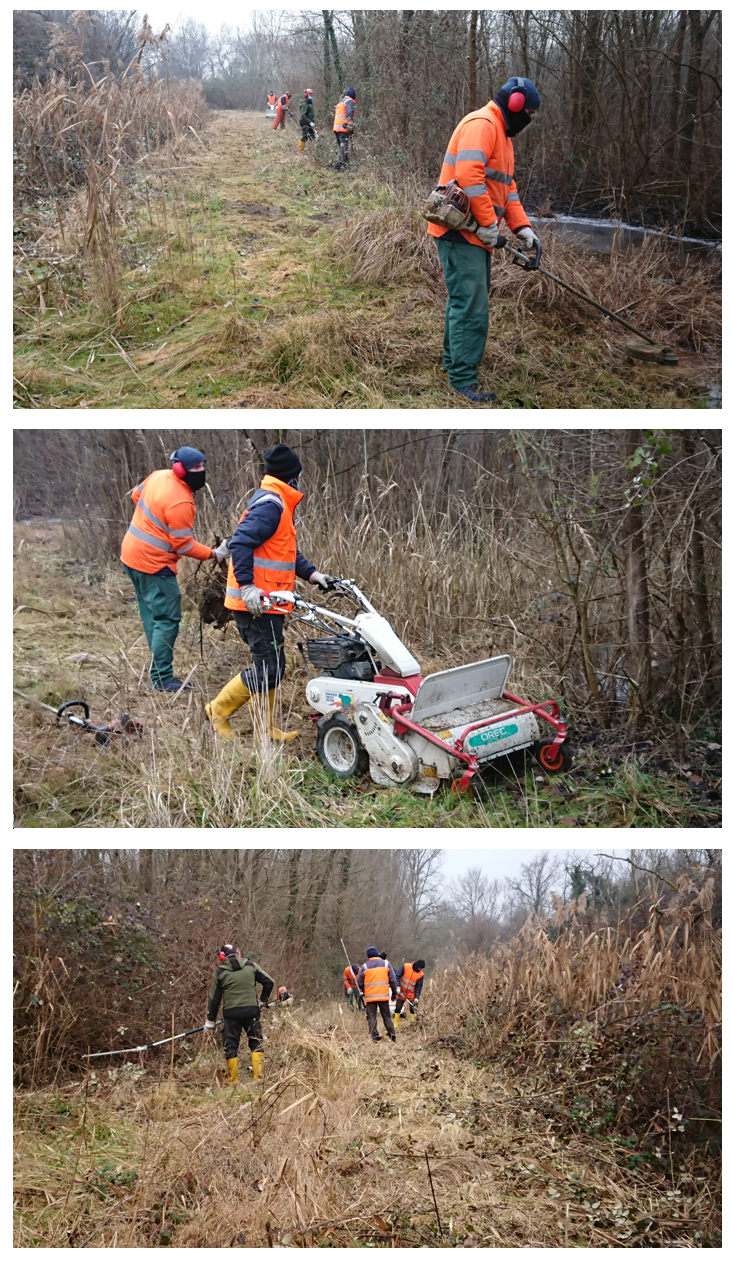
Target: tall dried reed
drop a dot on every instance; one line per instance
(653, 286)
(605, 1020)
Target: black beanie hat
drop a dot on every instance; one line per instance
(282, 463)
(188, 457)
(419, 964)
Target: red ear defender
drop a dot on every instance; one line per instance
(180, 472)
(222, 956)
(516, 102)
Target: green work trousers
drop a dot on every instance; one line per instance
(467, 271)
(159, 602)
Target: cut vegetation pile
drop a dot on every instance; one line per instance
(564, 1092)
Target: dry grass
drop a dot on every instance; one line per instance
(652, 286)
(330, 1152)
(334, 303)
(65, 128)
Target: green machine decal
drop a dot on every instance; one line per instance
(493, 734)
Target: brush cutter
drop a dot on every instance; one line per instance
(641, 347)
(449, 206)
(123, 725)
(375, 711)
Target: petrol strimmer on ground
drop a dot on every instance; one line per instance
(376, 712)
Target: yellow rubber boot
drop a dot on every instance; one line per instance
(220, 710)
(276, 734)
(412, 1017)
(396, 1020)
(232, 1071)
(301, 146)
(256, 1058)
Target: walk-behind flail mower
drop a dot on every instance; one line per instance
(379, 714)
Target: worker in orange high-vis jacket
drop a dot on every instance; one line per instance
(271, 100)
(409, 985)
(264, 559)
(480, 157)
(161, 531)
(377, 981)
(282, 105)
(343, 126)
(351, 990)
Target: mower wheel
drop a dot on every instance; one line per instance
(340, 750)
(476, 790)
(562, 760)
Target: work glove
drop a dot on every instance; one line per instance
(529, 239)
(252, 597)
(324, 581)
(209, 1025)
(488, 236)
(222, 553)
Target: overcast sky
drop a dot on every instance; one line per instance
(213, 18)
(501, 863)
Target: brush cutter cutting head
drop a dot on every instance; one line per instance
(651, 352)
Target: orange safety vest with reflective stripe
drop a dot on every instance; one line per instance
(376, 981)
(339, 118)
(271, 99)
(274, 560)
(408, 981)
(480, 157)
(349, 978)
(161, 529)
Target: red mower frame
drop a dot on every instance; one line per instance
(396, 708)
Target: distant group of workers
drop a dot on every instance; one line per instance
(235, 985)
(343, 120)
(376, 983)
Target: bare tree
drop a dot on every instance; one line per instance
(538, 879)
(420, 885)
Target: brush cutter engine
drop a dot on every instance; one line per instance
(375, 710)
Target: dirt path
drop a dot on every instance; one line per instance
(330, 1151)
(237, 293)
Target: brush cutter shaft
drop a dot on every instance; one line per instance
(122, 1051)
(531, 266)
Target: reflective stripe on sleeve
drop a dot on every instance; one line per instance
(183, 551)
(449, 159)
(475, 190)
(501, 177)
(513, 197)
(151, 539)
(471, 155)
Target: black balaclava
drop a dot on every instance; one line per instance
(517, 120)
(188, 456)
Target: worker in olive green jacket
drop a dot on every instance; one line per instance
(236, 981)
